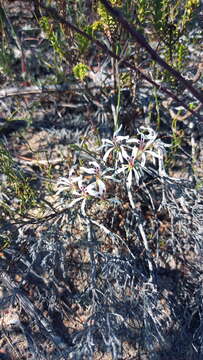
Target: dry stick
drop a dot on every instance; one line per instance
(44, 325)
(16, 91)
(154, 55)
(53, 13)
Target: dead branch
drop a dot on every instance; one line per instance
(53, 14)
(16, 91)
(154, 55)
(30, 309)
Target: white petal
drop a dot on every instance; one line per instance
(143, 161)
(67, 182)
(109, 142)
(90, 171)
(90, 189)
(111, 178)
(133, 140)
(95, 164)
(119, 139)
(106, 171)
(72, 172)
(80, 183)
(94, 193)
(83, 207)
(120, 157)
(153, 154)
(117, 131)
(102, 187)
(124, 154)
(134, 151)
(60, 190)
(106, 155)
(151, 133)
(129, 179)
(72, 203)
(101, 147)
(64, 181)
(162, 171)
(160, 144)
(75, 192)
(136, 176)
(121, 169)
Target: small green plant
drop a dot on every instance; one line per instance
(4, 242)
(6, 55)
(15, 184)
(110, 25)
(80, 71)
(82, 42)
(177, 135)
(169, 22)
(5, 59)
(52, 36)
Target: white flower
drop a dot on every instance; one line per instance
(84, 192)
(131, 167)
(116, 145)
(150, 135)
(160, 147)
(69, 183)
(145, 144)
(95, 170)
(100, 176)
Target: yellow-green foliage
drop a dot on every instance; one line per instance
(178, 135)
(51, 35)
(190, 6)
(16, 184)
(181, 53)
(82, 41)
(80, 71)
(142, 11)
(169, 21)
(106, 20)
(4, 242)
(163, 13)
(125, 80)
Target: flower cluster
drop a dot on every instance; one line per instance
(122, 159)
